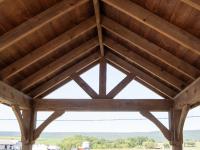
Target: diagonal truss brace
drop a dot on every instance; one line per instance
(166, 132)
(21, 121)
(50, 119)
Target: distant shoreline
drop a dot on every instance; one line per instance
(156, 135)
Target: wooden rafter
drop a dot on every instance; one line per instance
(193, 3)
(11, 96)
(102, 77)
(102, 105)
(120, 86)
(84, 86)
(189, 96)
(37, 22)
(98, 22)
(150, 48)
(162, 128)
(47, 86)
(71, 56)
(51, 118)
(145, 64)
(47, 49)
(155, 22)
(141, 76)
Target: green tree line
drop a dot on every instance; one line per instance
(100, 143)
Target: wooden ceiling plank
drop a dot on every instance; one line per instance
(71, 56)
(47, 49)
(102, 77)
(37, 22)
(168, 92)
(193, 3)
(120, 86)
(102, 105)
(150, 48)
(11, 96)
(98, 22)
(64, 75)
(189, 96)
(155, 22)
(145, 64)
(84, 86)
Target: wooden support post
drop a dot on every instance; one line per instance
(27, 123)
(176, 121)
(102, 78)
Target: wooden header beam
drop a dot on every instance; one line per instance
(11, 96)
(102, 105)
(189, 96)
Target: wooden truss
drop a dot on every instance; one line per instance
(116, 47)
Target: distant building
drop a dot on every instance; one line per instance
(10, 145)
(85, 146)
(52, 147)
(45, 147)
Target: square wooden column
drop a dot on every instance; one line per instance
(29, 117)
(176, 120)
(27, 122)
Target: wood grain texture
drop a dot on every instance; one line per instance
(37, 22)
(47, 49)
(155, 22)
(12, 96)
(98, 22)
(189, 96)
(73, 55)
(193, 3)
(150, 48)
(141, 76)
(145, 64)
(76, 68)
(102, 105)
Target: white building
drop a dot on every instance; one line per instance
(45, 147)
(10, 145)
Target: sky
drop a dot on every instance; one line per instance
(100, 121)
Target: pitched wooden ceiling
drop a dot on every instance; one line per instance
(45, 42)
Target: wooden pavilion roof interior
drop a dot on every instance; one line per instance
(46, 43)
